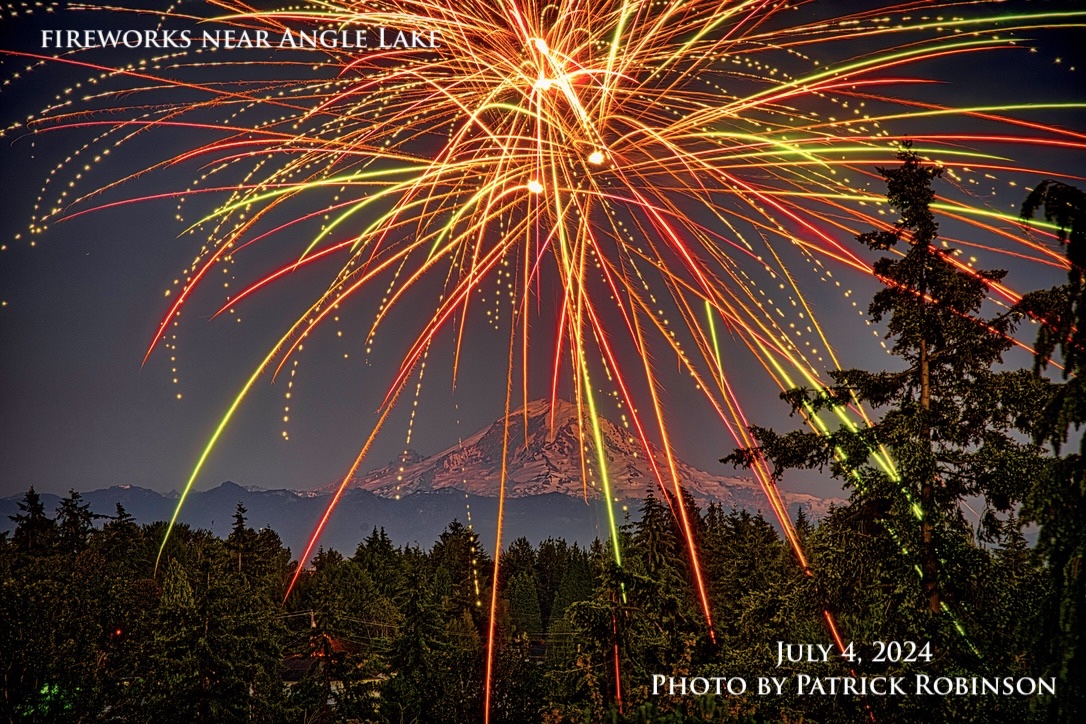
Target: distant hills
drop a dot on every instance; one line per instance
(415, 519)
(415, 497)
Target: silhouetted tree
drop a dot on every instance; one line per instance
(950, 423)
(74, 523)
(35, 533)
(1057, 501)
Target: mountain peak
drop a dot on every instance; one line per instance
(563, 409)
(546, 448)
(408, 457)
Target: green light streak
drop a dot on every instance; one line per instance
(211, 444)
(881, 456)
(601, 461)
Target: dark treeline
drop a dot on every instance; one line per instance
(398, 634)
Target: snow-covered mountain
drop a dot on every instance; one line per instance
(544, 458)
(416, 497)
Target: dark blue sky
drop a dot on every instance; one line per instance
(77, 410)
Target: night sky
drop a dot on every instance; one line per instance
(80, 307)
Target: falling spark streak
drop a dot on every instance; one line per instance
(492, 623)
(633, 161)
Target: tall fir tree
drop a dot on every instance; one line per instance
(951, 425)
(410, 695)
(35, 532)
(463, 569)
(214, 653)
(950, 422)
(519, 556)
(381, 560)
(75, 521)
(551, 560)
(524, 616)
(1057, 500)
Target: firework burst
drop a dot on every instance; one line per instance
(628, 179)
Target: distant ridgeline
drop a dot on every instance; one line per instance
(415, 519)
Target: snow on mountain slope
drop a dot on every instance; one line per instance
(544, 459)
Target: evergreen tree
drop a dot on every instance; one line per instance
(459, 684)
(950, 423)
(519, 689)
(122, 517)
(126, 613)
(241, 538)
(174, 683)
(380, 559)
(576, 583)
(520, 556)
(35, 532)
(944, 402)
(462, 570)
(347, 613)
(654, 540)
(950, 426)
(410, 693)
(524, 616)
(1057, 501)
(550, 566)
(74, 523)
(744, 562)
(214, 653)
(37, 599)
